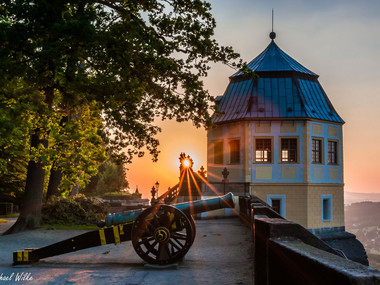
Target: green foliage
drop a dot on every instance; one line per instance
(248, 73)
(15, 127)
(138, 59)
(120, 196)
(78, 148)
(112, 178)
(76, 210)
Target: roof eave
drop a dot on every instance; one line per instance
(280, 119)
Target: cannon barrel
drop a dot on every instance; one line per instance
(200, 206)
(189, 208)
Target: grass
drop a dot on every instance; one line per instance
(10, 216)
(53, 226)
(68, 227)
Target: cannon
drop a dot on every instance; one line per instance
(161, 234)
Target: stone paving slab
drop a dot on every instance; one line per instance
(5, 226)
(221, 254)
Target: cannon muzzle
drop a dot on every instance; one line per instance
(189, 208)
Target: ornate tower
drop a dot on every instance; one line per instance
(280, 134)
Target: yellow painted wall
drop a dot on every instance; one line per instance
(314, 205)
(295, 199)
(303, 202)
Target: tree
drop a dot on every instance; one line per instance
(77, 149)
(138, 59)
(112, 178)
(15, 123)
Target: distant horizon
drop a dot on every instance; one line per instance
(357, 197)
(362, 193)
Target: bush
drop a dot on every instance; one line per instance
(76, 210)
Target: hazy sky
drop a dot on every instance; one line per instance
(338, 40)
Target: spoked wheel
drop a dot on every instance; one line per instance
(162, 234)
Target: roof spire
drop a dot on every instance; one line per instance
(272, 35)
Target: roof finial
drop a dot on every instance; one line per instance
(272, 35)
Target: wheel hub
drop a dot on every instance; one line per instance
(161, 234)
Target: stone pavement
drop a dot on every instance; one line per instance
(7, 225)
(221, 254)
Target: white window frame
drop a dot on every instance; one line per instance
(282, 198)
(330, 207)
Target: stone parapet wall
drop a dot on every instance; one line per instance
(287, 253)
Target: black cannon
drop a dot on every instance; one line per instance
(161, 234)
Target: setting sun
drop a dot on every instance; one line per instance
(186, 163)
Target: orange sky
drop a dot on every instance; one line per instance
(174, 139)
(338, 40)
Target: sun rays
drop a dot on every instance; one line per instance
(191, 185)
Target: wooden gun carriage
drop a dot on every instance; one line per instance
(161, 234)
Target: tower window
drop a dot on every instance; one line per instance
(218, 152)
(326, 208)
(263, 150)
(277, 202)
(289, 150)
(234, 151)
(332, 152)
(316, 151)
(276, 205)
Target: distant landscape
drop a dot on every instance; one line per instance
(362, 218)
(354, 197)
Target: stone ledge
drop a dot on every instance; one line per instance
(328, 266)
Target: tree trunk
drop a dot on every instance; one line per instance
(75, 188)
(30, 210)
(54, 181)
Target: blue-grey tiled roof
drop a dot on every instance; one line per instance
(274, 59)
(277, 93)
